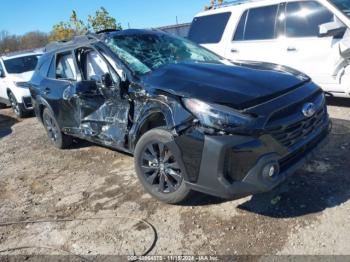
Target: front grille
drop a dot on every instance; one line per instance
(289, 135)
(296, 156)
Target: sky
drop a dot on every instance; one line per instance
(21, 16)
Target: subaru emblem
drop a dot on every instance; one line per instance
(309, 109)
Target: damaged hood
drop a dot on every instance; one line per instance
(236, 85)
(24, 77)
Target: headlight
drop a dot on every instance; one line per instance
(22, 84)
(216, 116)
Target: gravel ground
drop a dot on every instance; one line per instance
(308, 214)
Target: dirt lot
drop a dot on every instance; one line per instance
(308, 214)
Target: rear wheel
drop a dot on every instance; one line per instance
(53, 130)
(158, 169)
(17, 108)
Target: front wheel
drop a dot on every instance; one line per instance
(158, 169)
(17, 108)
(54, 132)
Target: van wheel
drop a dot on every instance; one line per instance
(158, 169)
(17, 108)
(59, 139)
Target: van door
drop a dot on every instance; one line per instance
(304, 49)
(255, 37)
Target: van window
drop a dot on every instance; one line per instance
(304, 18)
(239, 35)
(1, 68)
(261, 23)
(20, 65)
(343, 6)
(208, 29)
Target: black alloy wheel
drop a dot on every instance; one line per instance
(53, 130)
(160, 168)
(51, 127)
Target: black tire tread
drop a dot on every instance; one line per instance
(64, 141)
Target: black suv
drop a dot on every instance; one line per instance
(192, 120)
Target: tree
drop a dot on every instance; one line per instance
(8, 43)
(102, 20)
(67, 30)
(30, 40)
(213, 3)
(34, 39)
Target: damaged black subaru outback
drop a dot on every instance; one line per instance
(192, 120)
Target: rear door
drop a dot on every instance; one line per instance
(63, 74)
(303, 48)
(256, 36)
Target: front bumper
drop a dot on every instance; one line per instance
(232, 166)
(27, 103)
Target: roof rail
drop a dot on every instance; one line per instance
(75, 40)
(109, 30)
(230, 3)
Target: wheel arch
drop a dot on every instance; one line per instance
(153, 116)
(42, 105)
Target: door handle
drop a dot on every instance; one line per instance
(47, 91)
(234, 50)
(291, 49)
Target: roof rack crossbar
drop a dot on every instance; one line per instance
(231, 3)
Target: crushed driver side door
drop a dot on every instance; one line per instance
(104, 113)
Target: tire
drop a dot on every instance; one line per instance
(17, 108)
(58, 139)
(157, 168)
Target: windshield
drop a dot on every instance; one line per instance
(342, 5)
(22, 64)
(146, 52)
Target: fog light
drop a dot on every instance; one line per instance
(270, 170)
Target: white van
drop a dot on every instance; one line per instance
(15, 70)
(311, 36)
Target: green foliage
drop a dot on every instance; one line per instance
(102, 20)
(212, 3)
(67, 30)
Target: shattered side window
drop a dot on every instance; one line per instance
(147, 52)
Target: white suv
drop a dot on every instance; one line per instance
(15, 71)
(311, 36)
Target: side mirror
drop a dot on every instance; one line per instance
(2, 73)
(86, 87)
(335, 28)
(106, 80)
